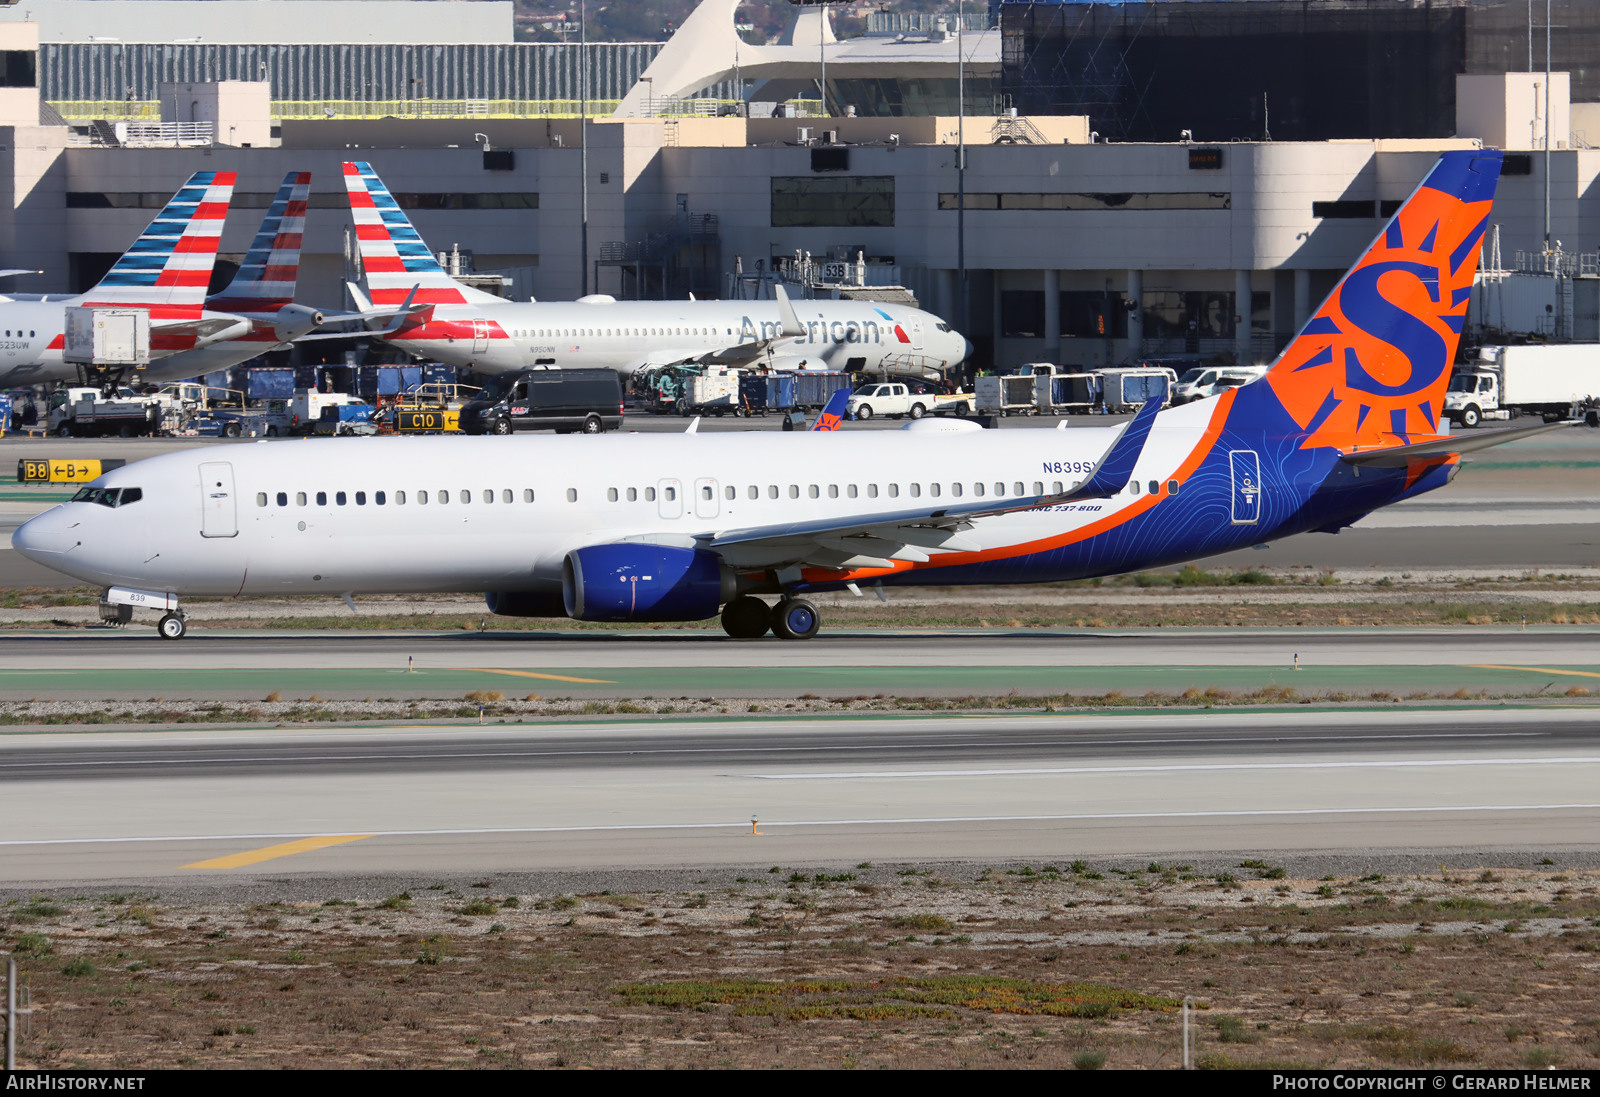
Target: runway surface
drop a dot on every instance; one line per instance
(110, 807)
(137, 665)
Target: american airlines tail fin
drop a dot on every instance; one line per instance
(266, 279)
(170, 264)
(1371, 367)
(394, 257)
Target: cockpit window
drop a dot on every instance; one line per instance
(109, 497)
(943, 326)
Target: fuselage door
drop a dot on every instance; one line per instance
(705, 498)
(1245, 465)
(218, 516)
(916, 334)
(480, 336)
(669, 498)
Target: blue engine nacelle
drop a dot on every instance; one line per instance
(526, 603)
(637, 582)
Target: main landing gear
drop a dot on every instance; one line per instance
(748, 618)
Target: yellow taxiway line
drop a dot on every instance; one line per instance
(536, 674)
(1536, 670)
(286, 849)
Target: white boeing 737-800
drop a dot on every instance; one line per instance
(452, 322)
(680, 527)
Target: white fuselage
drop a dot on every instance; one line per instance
(33, 336)
(305, 517)
(627, 335)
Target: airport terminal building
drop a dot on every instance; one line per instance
(1072, 248)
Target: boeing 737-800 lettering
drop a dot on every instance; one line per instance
(680, 527)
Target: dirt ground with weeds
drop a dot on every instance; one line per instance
(1040, 965)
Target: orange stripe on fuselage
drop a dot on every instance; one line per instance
(1111, 521)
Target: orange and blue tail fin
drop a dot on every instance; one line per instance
(832, 416)
(394, 257)
(1371, 366)
(265, 281)
(169, 266)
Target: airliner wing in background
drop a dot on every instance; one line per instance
(751, 351)
(879, 540)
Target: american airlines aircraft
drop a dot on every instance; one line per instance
(455, 323)
(166, 271)
(680, 527)
(262, 292)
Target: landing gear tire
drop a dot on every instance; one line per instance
(746, 618)
(501, 426)
(593, 425)
(173, 626)
(795, 619)
(1471, 416)
(864, 411)
(918, 411)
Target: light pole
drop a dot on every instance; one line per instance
(583, 141)
(961, 173)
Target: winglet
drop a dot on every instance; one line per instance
(832, 417)
(1115, 469)
(786, 313)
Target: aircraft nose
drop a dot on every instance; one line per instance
(46, 538)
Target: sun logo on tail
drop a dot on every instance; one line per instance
(1372, 366)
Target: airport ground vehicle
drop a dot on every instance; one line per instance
(1124, 389)
(896, 400)
(563, 400)
(1203, 381)
(1004, 394)
(1555, 381)
(1058, 389)
(86, 413)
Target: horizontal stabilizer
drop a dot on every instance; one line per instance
(1400, 456)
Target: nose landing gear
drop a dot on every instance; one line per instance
(173, 626)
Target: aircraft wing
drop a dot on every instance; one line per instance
(748, 352)
(394, 316)
(205, 327)
(1400, 456)
(878, 540)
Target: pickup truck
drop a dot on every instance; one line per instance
(895, 400)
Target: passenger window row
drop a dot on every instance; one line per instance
(442, 497)
(602, 333)
(730, 492)
(399, 498)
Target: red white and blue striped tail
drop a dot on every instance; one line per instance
(170, 264)
(265, 281)
(394, 257)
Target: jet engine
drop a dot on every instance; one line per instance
(292, 321)
(525, 603)
(638, 582)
